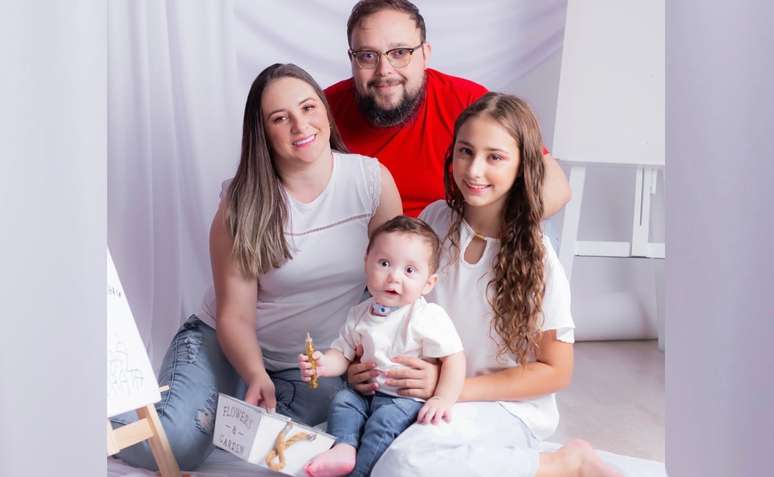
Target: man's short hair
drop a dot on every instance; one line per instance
(363, 8)
(409, 225)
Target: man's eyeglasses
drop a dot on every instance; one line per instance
(369, 59)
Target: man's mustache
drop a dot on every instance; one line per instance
(378, 83)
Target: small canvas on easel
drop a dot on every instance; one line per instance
(272, 441)
(131, 383)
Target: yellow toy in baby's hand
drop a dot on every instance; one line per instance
(309, 348)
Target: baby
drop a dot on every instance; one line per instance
(401, 263)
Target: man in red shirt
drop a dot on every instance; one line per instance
(396, 109)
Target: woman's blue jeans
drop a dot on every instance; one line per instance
(196, 370)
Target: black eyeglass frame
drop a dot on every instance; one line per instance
(352, 56)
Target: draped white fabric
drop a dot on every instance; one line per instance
(178, 76)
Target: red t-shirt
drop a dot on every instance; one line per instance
(413, 152)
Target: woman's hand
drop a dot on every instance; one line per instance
(359, 375)
(417, 377)
(260, 392)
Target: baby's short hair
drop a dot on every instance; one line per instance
(409, 225)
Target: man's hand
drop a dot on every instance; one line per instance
(417, 377)
(260, 392)
(359, 375)
(436, 408)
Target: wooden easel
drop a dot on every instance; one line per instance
(640, 245)
(610, 111)
(149, 428)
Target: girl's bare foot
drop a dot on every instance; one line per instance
(589, 464)
(339, 460)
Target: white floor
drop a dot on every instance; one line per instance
(616, 400)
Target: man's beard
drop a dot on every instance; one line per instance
(398, 115)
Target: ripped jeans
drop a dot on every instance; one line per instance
(196, 370)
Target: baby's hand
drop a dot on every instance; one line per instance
(306, 367)
(435, 409)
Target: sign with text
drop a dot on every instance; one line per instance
(250, 433)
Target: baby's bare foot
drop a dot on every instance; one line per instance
(340, 460)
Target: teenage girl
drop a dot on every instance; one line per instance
(503, 286)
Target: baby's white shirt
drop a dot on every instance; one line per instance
(421, 330)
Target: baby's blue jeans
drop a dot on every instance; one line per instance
(373, 421)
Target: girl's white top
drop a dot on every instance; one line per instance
(316, 288)
(462, 292)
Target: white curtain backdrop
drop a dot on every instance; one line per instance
(178, 76)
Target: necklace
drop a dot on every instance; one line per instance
(475, 234)
(382, 310)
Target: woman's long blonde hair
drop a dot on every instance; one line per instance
(516, 289)
(257, 211)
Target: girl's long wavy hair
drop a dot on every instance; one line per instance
(257, 211)
(516, 289)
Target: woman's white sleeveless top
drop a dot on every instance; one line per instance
(313, 291)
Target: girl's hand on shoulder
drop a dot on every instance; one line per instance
(417, 378)
(260, 392)
(436, 409)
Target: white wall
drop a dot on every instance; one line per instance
(52, 206)
(540, 88)
(720, 271)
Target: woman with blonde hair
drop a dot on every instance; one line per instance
(287, 246)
